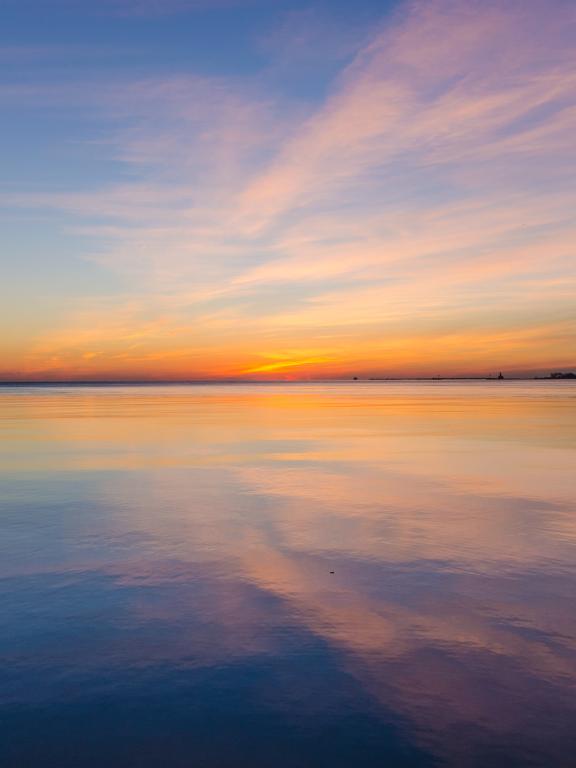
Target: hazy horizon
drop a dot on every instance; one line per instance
(288, 380)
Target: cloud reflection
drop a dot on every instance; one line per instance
(219, 513)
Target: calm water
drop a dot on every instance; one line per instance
(167, 595)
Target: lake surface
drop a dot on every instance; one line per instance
(288, 576)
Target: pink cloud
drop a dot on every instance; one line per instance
(438, 171)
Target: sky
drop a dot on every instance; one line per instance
(287, 189)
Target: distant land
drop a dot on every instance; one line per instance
(555, 376)
(558, 375)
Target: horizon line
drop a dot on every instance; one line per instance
(348, 379)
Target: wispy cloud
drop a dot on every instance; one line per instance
(433, 185)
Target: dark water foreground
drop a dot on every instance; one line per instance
(167, 595)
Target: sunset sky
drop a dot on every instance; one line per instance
(287, 188)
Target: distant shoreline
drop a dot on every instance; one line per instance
(208, 382)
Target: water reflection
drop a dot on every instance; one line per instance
(298, 575)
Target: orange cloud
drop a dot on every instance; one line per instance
(270, 367)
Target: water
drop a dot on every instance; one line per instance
(288, 576)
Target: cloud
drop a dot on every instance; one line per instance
(432, 185)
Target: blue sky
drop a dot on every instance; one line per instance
(195, 188)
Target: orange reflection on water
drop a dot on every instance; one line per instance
(445, 512)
